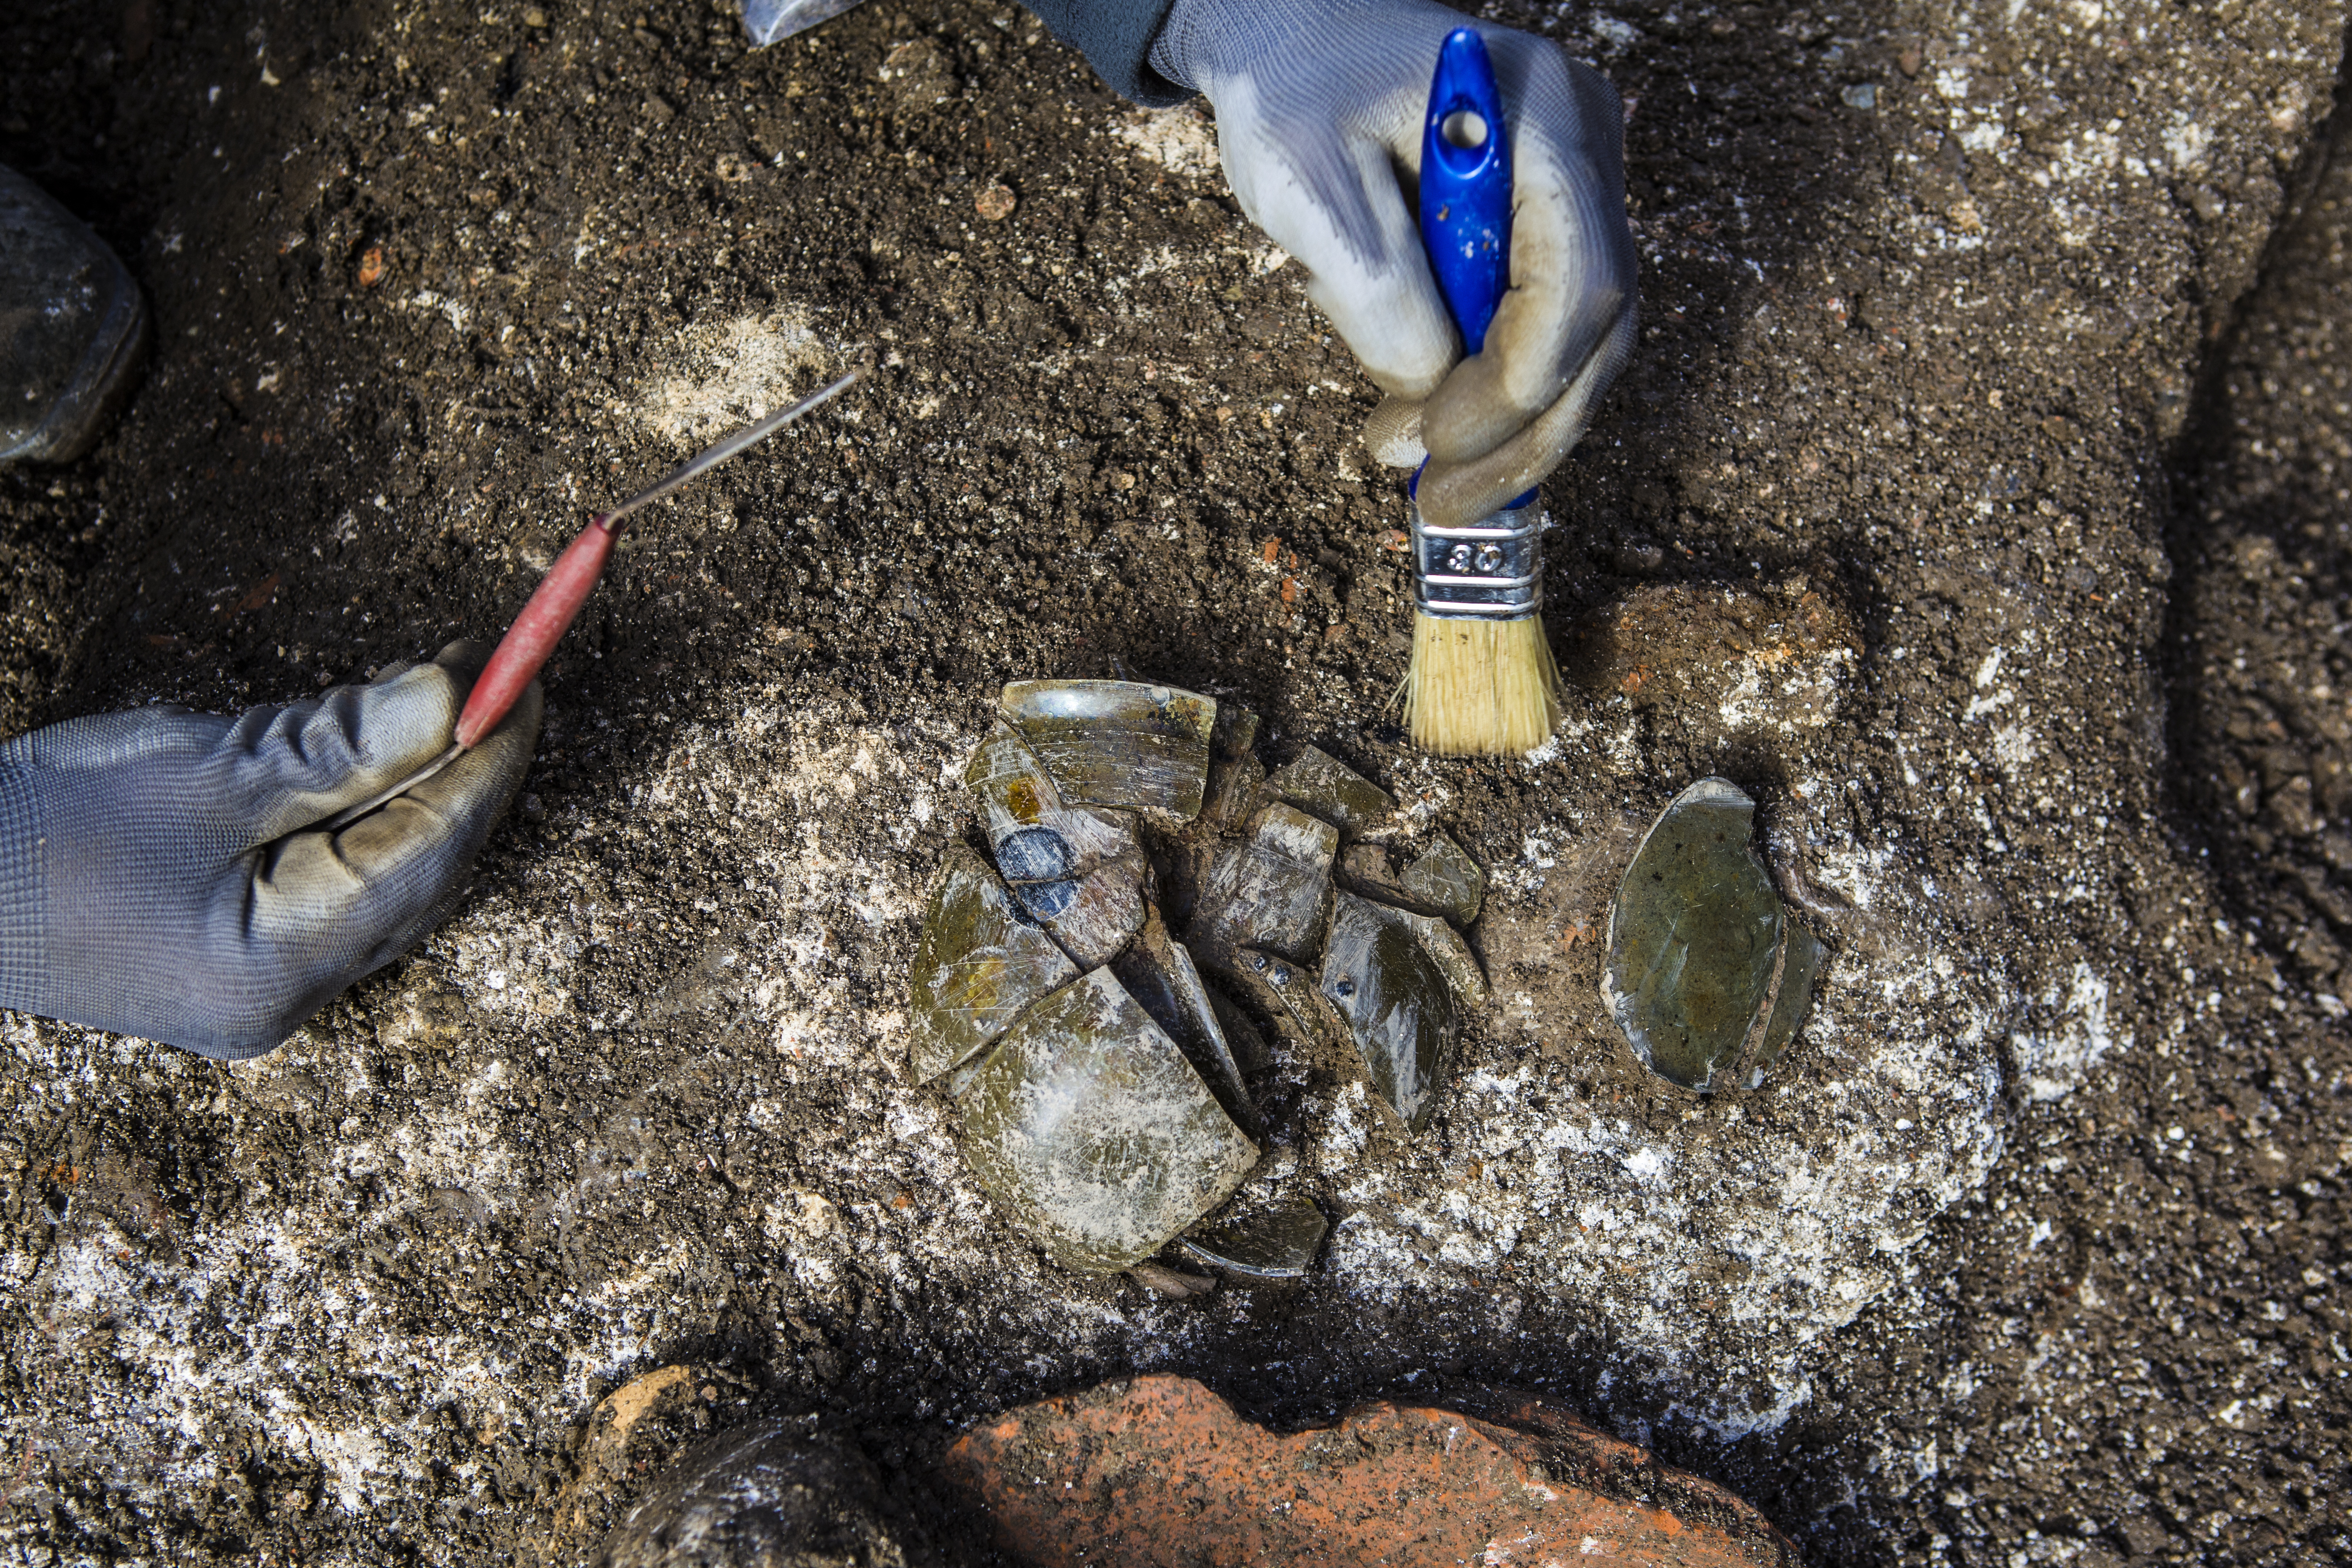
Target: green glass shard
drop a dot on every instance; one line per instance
(1159, 974)
(1236, 730)
(1394, 1000)
(1034, 834)
(1078, 870)
(1235, 774)
(1251, 1053)
(1364, 869)
(1093, 1134)
(1322, 785)
(1235, 786)
(1447, 880)
(1281, 989)
(1269, 890)
(1279, 1242)
(1451, 956)
(1694, 941)
(1094, 917)
(979, 962)
(1120, 744)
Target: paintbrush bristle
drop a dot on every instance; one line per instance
(1481, 687)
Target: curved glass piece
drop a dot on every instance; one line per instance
(1277, 1243)
(1120, 744)
(979, 962)
(1707, 974)
(1094, 1134)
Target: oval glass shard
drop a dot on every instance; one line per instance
(1094, 1134)
(1394, 999)
(1695, 940)
(977, 965)
(1118, 743)
(1275, 1243)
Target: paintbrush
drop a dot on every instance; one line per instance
(1482, 678)
(557, 601)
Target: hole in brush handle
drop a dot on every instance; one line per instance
(1465, 129)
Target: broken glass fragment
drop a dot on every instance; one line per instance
(1093, 1133)
(1702, 953)
(978, 963)
(1322, 785)
(1117, 743)
(1279, 1242)
(1269, 890)
(1394, 1000)
(1447, 880)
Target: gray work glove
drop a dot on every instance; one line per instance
(1319, 107)
(162, 872)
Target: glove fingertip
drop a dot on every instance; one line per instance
(1473, 413)
(1451, 496)
(465, 658)
(1392, 433)
(494, 769)
(445, 821)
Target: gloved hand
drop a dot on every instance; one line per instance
(1319, 106)
(163, 874)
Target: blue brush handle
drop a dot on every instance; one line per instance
(1466, 192)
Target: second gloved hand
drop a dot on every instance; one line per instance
(1319, 106)
(163, 873)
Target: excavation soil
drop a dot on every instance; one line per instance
(1991, 374)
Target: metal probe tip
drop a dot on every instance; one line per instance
(511, 676)
(343, 819)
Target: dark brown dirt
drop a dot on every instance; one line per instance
(2266, 522)
(422, 276)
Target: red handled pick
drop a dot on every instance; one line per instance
(556, 602)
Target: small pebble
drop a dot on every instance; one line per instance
(1169, 1284)
(994, 203)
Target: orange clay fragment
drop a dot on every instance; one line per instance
(1159, 1472)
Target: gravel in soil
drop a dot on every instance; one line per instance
(2266, 534)
(1881, 524)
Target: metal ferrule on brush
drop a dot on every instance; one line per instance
(1491, 570)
